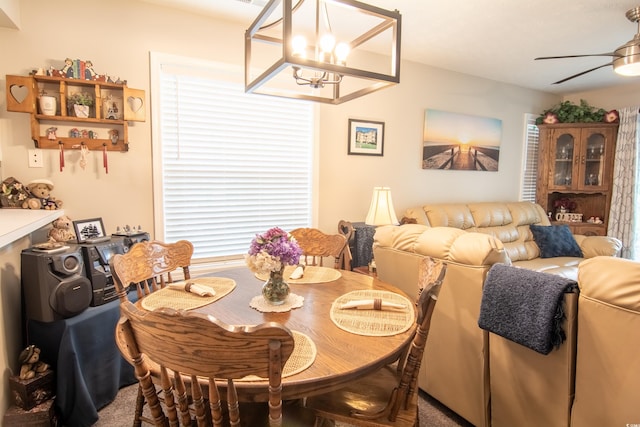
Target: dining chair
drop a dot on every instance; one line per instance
(317, 245)
(209, 355)
(387, 397)
(149, 266)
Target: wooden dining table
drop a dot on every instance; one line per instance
(341, 356)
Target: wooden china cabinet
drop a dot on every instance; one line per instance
(575, 162)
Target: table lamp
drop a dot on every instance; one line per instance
(381, 212)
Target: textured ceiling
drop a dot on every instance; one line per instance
(494, 39)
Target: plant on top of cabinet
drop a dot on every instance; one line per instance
(568, 112)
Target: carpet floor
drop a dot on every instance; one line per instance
(432, 412)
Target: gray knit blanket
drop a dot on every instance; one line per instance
(525, 306)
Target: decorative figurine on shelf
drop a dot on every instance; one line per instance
(30, 363)
(74, 133)
(67, 70)
(113, 136)
(51, 133)
(89, 74)
(40, 190)
(62, 230)
(112, 112)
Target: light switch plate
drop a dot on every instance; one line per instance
(35, 158)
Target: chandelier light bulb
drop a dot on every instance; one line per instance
(327, 42)
(342, 51)
(299, 45)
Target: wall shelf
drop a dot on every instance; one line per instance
(115, 100)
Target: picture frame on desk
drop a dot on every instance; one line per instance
(89, 229)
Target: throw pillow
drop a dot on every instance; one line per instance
(555, 240)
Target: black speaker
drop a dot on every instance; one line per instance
(54, 286)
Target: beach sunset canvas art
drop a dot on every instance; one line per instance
(454, 141)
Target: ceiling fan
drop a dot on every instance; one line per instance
(625, 59)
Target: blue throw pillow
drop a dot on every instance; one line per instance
(555, 240)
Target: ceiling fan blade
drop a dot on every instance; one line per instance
(576, 56)
(582, 73)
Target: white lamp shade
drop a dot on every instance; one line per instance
(381, 211)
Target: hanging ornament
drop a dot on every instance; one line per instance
(61, 145)
(84, 152)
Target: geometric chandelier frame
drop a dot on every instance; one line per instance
(273, 66)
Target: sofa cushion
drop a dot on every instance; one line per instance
(561, 266)
(555, 241)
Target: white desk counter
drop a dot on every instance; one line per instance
(17, 223)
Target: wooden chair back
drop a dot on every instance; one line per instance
(390, 394)
(430, 277)
(197, 349)
(149, 265)
(317, 245)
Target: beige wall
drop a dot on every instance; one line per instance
(627, 95)
(117, 37)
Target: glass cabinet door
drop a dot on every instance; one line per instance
(563, 164)
(592, 160)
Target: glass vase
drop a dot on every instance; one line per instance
(275, 290)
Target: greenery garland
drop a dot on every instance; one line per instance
(568, 112)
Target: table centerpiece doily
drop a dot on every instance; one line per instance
(293, 301)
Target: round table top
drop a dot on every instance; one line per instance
(341, 356)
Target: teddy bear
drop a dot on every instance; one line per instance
(30, 362)
(62, 230)
(41, 198)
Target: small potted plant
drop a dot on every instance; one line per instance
(81, 102)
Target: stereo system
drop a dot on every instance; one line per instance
(63, 283)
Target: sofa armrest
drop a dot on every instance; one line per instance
(613, 281)
(593, 246)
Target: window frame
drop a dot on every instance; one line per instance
(529, 175)
(230, 71)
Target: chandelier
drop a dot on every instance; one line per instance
(328, 51)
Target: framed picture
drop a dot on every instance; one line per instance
(366, 137)
(89, 229)
(455, 141)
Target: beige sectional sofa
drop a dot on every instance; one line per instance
(608, 362)
(485, 378)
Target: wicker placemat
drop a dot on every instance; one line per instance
(182, 300)
(372, 322)
(312, 274)
(303, 356)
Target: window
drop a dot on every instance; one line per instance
(227, 165)
(530, 163)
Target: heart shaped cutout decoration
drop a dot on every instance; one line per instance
(135, 103)
(19, 93)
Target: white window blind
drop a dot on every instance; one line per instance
(530, 164)
(232, 165)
